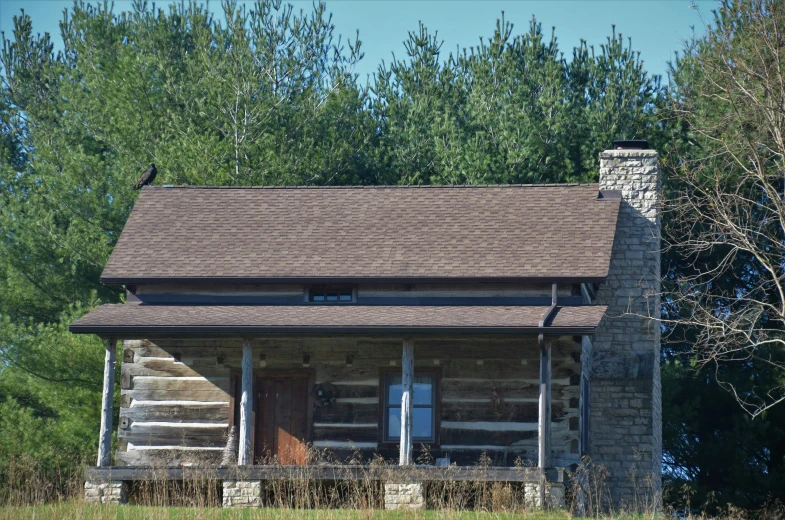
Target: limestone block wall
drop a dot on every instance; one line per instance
(242, 493)
(112, 492)
(404, 496)
(625, 403)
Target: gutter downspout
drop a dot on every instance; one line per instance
(544, 426)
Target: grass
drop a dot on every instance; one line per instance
(78, 510)
(27, 490)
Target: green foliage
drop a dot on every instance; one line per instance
(267, 98)
(715, 448)
(49, 394)
(724, 264)
(510, 110)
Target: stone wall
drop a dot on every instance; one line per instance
(625, 404)
(112, 492)
(242, 493)
(554, 495)
(404, 496)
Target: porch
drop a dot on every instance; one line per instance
(467, 393)
(403, 487)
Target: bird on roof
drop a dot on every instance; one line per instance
(147, 177)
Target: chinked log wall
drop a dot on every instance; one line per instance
(179, 411)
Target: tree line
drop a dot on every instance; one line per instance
(268, 96)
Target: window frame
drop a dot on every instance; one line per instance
(316, 289)
(436, 374)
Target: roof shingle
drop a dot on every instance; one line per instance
(553, 232)
(152, 320)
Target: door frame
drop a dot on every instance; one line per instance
(258, 375)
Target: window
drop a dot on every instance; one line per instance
(424, 421)
(343, 295)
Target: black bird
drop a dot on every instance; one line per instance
(147, 177)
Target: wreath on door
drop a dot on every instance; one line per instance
(325, 394)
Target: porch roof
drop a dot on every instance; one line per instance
(135, 320)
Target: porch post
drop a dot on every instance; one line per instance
(246, 407)
(544, 426)
(107, 403)
(407, 388)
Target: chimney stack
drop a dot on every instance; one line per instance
(625, 410)
(631, 144)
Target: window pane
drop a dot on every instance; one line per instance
(394, 390)
(332, 297)
(394, 423)
(422, 427)
(422, 424)
(423, 389)
(317, 297)
(346, 297)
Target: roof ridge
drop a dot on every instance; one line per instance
(380, 186)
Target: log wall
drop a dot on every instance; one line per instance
(452, 293)
(175, 396)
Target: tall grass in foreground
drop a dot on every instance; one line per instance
(81, 511)
(28, 481)
(300, 489)
(30, 490)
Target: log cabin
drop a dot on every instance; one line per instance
(428, 326)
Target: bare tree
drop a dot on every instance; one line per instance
(726, 217)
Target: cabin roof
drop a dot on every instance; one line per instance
(554, 232)
(180, 320)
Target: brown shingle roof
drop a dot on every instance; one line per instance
(151, 320)
(541, 231)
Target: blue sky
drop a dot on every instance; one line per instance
(657, 27)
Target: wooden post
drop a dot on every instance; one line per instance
(246, 407)
(107, 403)
(407, 387)
(544, 425)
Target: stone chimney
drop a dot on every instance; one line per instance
(625, 412)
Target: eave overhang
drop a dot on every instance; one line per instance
(140, 321)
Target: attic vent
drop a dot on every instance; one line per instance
(632, 144)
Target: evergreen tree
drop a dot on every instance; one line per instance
(510, 110)
(269, 97)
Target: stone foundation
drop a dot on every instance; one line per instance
(404, 496)
(554, 495)
(112, 492)
(242, 493)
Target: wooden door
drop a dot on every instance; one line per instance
(283, 425)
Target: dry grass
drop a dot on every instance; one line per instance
(27, 483)
(73, 510)
(28, 490)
